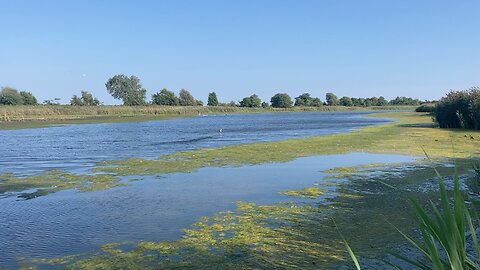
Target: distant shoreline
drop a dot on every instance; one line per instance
(21, 117)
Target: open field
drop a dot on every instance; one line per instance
(14, 117)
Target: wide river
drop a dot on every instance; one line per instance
(76, 147)
(155, 209)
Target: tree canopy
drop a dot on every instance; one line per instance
(212, 99)
(28, 98)
(281, 100)
(86, 99)
(166, 98)
(332, 99)
(186, 99)
(251, 101)
(128, 89)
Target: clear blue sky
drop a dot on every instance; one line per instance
(355, 48)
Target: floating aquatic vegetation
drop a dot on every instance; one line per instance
(310, 192)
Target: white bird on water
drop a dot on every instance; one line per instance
(220, 130)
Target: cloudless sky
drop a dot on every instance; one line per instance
(236, 48)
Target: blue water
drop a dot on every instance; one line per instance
(155, 209)
(76, 147)
(70, 222)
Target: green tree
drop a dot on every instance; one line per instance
(304, 100)
(85, 99)
(212, 99)
(128, 89)
(10, 96)
(373, 101)
(265, 104)
(404, 101)
(281, 100)
(332, 99)
(186, 99)
(346, 101)
(251, 101)
(316, 102)
(89, 100)
(28, 98)
(76, 101)
(382, 101)
(165, 98)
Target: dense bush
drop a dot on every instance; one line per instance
(11, 96)
(165, 98)
(459, 109)
(281, 100)
(252, 101)
(28, 98)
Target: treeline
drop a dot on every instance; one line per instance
(129, 90)
(459, 109)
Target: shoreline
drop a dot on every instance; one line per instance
(24, 117)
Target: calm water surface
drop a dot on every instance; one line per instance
(70, 222)
(76, 147)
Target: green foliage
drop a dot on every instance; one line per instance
(332, 99)
(382, 102)
(76, 101)
(304, 100)
(28, 98)
(281, 100)
(212, 99)
(10, 96)
(252, 101)
(265, 104)
(86, 99)
(346, 101)
(165, 98)
(444, 244)
(309, 192)
(316, 102)
(404, 101)
(186, 99)
(459, 109)
(128, 89)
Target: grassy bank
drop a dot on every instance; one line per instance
(14, 117)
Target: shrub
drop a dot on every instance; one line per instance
(459, 109)
(166, 98)
(28, 98)
(10, 96)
